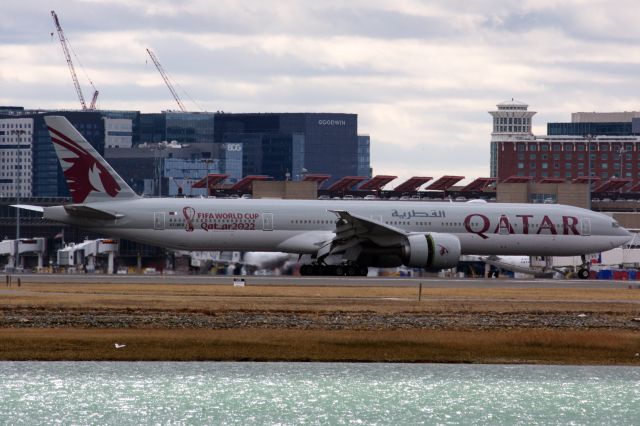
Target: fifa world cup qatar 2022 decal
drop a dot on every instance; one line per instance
(219, 221)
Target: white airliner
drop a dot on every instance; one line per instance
(520, 264)
(343, 237)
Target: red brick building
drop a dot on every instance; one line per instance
(569, 158)
(516, 151)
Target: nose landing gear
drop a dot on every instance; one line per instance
(585, 268)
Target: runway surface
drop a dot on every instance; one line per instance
(427, 282)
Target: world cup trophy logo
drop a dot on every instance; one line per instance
(188, 213)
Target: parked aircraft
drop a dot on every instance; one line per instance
(519, 264)
(343, 237)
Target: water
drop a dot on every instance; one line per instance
(314, 393)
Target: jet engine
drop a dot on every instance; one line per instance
(432, 250)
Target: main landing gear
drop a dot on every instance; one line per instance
(583, 272)
(346, 269)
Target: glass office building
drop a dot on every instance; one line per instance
(183, 127)
(273, 154)
(364, 156)
(133, 116)
(286, 145)
(595, 129)
(231, 156)
(180, 173)
(281, 145)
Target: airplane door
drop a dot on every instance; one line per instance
(585, 226)
(158, 221)
(267, 221)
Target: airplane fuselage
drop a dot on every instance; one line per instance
(301, 226)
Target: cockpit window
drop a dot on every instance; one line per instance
(615, 224)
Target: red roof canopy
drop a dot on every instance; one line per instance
(412, 184)
(376, 183)
(586, 179)
(613, 184)
(444, 183)
(213, 178)
(346, 183)
(478, 185)
(552, 180)
(247, 181)
(318, 178)
(518, 179)
(634, 188)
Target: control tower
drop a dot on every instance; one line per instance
(511, 122)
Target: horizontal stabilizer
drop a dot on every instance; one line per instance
(91, 212)
(39, 209)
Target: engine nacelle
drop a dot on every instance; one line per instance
(432, 250)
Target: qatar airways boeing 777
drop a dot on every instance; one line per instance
(343, 237)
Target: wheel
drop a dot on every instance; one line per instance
(364, 271)
(329, 270)
(583, 273)
(339, 270)
(317, 269)
(351, 271)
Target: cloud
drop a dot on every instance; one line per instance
(421, 75)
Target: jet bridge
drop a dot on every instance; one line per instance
(84, 254)
(14, 249)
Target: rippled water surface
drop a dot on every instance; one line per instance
(314, 393)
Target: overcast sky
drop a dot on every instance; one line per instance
(421, 75)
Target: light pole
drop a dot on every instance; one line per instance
(18, 133)
(160, 159)
(208, 162)
(621, 151)
(589, 171)
(158, 165)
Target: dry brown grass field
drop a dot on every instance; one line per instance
(380, 299)
(530, 325)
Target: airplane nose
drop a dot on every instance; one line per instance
(625, 236)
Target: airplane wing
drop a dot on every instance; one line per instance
(500, 263)
(91, 212)
(353, 230)
(39, 209)
(351, 225)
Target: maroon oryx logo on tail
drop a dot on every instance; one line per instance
(83, 172)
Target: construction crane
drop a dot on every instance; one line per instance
(166, 79)
(74, 77)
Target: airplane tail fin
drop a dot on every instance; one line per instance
(89, 177)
